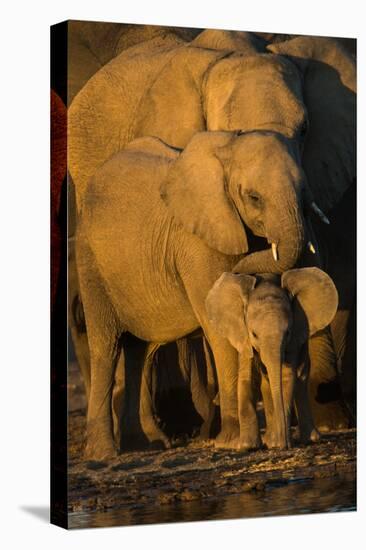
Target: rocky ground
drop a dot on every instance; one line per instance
(195, 472)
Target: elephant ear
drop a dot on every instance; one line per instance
(330, 96)
(226, 304)
(316, 297)
(172, 106)
(196, 194)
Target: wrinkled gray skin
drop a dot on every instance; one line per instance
(145, 266)
(302, 88)
(273, 318)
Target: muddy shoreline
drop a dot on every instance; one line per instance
(195, 481)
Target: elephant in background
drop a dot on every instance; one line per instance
(273, 317)
(157, 228)
(181, 89)
(272, 38)
(92, 44)
(154, 402)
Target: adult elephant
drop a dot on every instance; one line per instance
(146, 267)
(302, 88)
(90, 46)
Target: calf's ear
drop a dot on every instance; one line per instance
(226, 305)
(315, 296)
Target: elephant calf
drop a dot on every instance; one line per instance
(273, 317)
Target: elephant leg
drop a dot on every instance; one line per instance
(225, 356)
(307, 429)
(324, 388)
(104, 353)
(104, 344)
(211, 391)
(343, 330)
(118, 394)
(348, 374)
(184, 358)
(77, 320)
(338, 241)
(249, 429)
(226, 361)
(268, 411)
(81, 349)
(288, 385)
(339, 334)
(199, 376)
(149, 424)
(140, 429)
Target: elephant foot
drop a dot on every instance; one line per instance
(99, 441)
(328, 411)
(205, 430)
(144, 439)
(330, 417)
(158, 441)
(155, 436)
(100, 451)
(327, 427)
(271, 440)
(228, 438)
(249, 442)
(315, 436)
(267, 439)
(309, 436)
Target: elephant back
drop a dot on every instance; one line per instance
(101, 116)
(92, 44)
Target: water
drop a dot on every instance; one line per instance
(337, 494)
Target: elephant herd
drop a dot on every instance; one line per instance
(211, 179)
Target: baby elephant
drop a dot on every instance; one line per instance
(271, 317)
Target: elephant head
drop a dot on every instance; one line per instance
(275, 316)
(303, 88)
(226, 182)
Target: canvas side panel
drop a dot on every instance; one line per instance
(59, 274)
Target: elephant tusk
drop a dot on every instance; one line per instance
(274, 252)
(311, 247)
(321, 214)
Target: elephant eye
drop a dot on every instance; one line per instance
(254, 335)
(254, 198)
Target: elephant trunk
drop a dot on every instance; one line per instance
(287, 233)
(274, 369)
